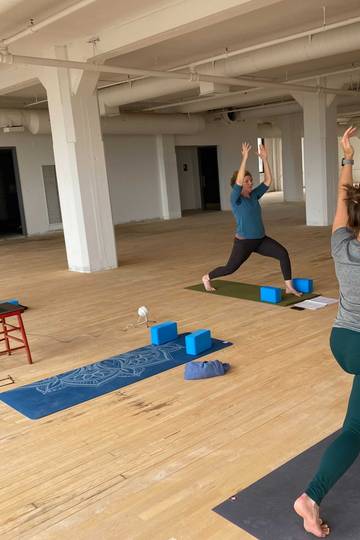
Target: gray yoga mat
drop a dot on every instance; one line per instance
(264, 509)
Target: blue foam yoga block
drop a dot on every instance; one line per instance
(198, 341)
(163, 332)
(303, 285)
(13, 301)
(270, 294)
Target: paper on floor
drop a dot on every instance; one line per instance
(318, 302)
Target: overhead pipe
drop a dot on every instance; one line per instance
(8, 58)
(320, 45)
(273, 109)
(230, 99)
(38, 123)
(238, 52)
(306, 34)
(152, 124)
(11, 117)
(110, 96)
(339, 40)
(233, 99)
(227, 97)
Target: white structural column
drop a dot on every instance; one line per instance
(81, 170)
(168, 177)
(291, 152)
(320, 157)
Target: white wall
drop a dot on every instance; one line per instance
(133, 176)
(132, 167)
(32, 152)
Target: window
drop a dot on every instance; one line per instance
(260, 140)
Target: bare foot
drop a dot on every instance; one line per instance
(207, 283)
(308, 510)
(289, 289)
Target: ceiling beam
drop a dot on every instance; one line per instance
(257, 83)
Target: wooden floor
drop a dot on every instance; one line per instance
(151, 460)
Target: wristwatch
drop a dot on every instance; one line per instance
(345, 161)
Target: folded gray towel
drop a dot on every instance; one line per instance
(204, 370)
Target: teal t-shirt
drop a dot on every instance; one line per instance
(247, 211)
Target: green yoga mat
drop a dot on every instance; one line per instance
(246, 291)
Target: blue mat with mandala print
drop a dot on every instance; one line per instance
(48, 396)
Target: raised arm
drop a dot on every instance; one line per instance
(346, 179)
(245, 150)
(263, 154)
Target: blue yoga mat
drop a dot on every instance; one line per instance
(48, 396)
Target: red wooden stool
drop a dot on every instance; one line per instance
(12, 310)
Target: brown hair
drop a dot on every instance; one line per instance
(234, 177)
(353, 208)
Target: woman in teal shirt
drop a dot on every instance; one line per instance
(250, 232)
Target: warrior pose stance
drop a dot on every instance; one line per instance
(250, 232)
(344, 343)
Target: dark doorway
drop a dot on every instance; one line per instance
(10, 195)
(209, 177)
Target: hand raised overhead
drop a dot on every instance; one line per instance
(245, 149)
(345, 142)
(262, 152)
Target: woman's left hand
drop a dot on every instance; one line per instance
(262, 152)
(345, 142)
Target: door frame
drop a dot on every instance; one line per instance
(18, 186)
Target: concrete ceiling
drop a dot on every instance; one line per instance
(286, 18)
(268, 20)
(16, 14)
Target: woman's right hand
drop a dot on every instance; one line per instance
(345, 142)
(245, 150)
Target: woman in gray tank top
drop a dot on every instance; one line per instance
(344, 343)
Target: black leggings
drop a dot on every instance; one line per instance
(242, 250)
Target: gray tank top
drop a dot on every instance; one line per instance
(345, 250)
